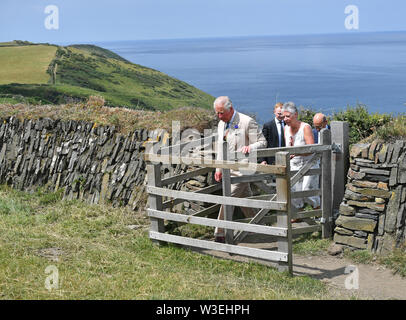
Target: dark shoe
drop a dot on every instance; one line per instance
(220, 239)
(296, 220)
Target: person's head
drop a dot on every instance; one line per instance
(319, 121)
(223, 108)
(290, 113)
(277, 110)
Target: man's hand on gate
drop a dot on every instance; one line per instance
(218, 175)
(245, 149)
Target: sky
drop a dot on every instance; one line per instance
(81, 21)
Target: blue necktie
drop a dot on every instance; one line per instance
(226, 132)
(280, 137)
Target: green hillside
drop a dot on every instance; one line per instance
(50, 74)
(25, 64)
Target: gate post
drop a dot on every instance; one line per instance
(326, 185)
(154, 201)
(340, 161)
(283, 193)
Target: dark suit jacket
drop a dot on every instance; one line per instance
(316, 134)
(270, 131)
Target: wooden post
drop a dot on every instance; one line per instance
(339, 161)
(284, 218)
(228, 210)
(326, 185)
(155, 201)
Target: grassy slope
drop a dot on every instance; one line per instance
(101, 258)
(85, 70)
(25, 64)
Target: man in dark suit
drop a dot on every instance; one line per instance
(319, 122)
(273, 132)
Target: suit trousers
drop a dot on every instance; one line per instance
(238, 190)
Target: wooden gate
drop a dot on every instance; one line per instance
(278, 203)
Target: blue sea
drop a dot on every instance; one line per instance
(324, 72)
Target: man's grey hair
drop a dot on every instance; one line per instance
(224, 101)
(289, 107)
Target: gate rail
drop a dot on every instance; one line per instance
(280, 202)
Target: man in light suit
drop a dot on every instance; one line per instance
(242, 135)
(273, 132)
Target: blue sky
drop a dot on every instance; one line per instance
(90, 21)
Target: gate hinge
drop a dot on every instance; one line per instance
(336, 147)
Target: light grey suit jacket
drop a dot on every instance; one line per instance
(243, 131)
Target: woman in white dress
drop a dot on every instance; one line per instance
(298, 133)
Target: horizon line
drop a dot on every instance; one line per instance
(235, 36)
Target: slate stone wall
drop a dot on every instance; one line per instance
(372, 214)
(88, 162)
(94, 164)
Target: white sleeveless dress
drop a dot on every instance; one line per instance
(297, 162)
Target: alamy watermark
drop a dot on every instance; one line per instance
(51, 21)
(189, 147)
(52, 281)
(351, 22)
(352, 280)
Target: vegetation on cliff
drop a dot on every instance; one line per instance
(50, 74)
(125, 120)
(363, 124)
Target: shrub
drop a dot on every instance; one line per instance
(306, 115)
(95, 101)
(361, 123)
(393, 130)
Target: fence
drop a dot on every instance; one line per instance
(278, 203)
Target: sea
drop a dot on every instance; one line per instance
(325, 72)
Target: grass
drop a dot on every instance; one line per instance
(9, 100)
(360, 256)
(310, 244)
(396, 261)
(53, 75)
(99, 257)
(25, 64)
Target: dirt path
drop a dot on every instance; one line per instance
(345, 278)
(374, 281)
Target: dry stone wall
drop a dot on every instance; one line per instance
(95, 164)
(372, 214)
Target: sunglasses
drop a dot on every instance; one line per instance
(291, 141)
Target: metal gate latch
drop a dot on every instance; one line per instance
(336, 147)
